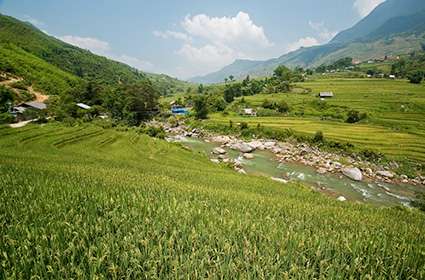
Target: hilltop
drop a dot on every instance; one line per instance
(54, 66)
(395, 27)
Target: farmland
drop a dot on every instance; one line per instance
(395, 123)
(87, 202)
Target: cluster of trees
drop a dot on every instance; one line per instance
(130, 103)
(280, 82)
(6, 101)
(340, 64)
(281, 106)
(412, 67)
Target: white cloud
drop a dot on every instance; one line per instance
(323, 32)
(364, 7)
(172, 34)
(323, 36)
(226, 30)
(134, 62)
(103, 48)
(302, 42)
(88, 43)
(213, 42)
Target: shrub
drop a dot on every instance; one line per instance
(154, 131)
(282, 107)
(419, 202)
(318, 137)
(6, 118)
(267, 104)
(243, 125)
(354, 116)
(416, 77)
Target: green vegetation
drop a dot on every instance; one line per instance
(395, 113)
(87, 202)
(55, 67)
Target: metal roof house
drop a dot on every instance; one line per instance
(326, 94)
(179, 110)
(249, 112)
(34, 105)
(84, 106)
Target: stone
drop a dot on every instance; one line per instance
(243, 147)
(215, 160)
(256, 144)
(321, 170)
(221, 139)
(241, 171)
(219, 151)
(248, 156)
(341, 198)
(353, 173)
(386, 174)
(280, 180)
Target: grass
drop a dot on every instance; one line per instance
(396, 114)
(84, 202)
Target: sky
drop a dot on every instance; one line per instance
(187, 38)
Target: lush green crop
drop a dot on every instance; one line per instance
(395, 123)
(84, 202)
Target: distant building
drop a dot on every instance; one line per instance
(249, 112)
(179, 110)
(392, 77)
(84, 106)
(19, 110)
(327, 94)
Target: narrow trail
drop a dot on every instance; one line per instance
(39, 97)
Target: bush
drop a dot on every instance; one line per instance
(419, 202)
(283, 107)
(318, 137)
(354, 116)
(6, 118)
(267, 104)
(154, 131)
(243, 125)
(416, 77)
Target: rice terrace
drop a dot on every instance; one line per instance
(217, 140)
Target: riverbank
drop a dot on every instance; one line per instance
(356, 169)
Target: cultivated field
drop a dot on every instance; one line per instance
(395, 109)
(83, 202)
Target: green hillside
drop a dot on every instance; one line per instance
(84, 202)
(22, 46)
(396, 27)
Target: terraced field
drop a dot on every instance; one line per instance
(396, 114)
(84, 202)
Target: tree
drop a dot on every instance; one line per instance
(282, 107)
(201, 89)
(6, 99)
(354, 116)
(231, 78)
(416, 77)
(318, 137)
(200, 107)
(133, 103)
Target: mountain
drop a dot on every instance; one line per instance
(54, 66)
(394, 27)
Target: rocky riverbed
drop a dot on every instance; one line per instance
(324, 162)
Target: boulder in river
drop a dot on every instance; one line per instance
(256, 145)
(221, 139)
(386, 174)
(243, 148)
(248, 156)
(353, 173)
(219, 151)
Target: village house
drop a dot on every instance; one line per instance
(249, 112)
(326, 94)
(22, 112)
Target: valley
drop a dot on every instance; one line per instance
(309, 165)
